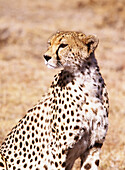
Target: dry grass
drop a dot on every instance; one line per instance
(24, 29)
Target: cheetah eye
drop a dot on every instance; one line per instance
(63, 45)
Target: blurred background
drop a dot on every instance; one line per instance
(25, 27)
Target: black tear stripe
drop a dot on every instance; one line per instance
(57, 55)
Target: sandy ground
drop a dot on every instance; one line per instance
(25, 26)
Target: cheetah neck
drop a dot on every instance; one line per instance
(88, 74)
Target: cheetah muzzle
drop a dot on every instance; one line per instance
(71, 120)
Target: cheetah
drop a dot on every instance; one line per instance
(71, 120)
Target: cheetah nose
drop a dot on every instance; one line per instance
(47, 58)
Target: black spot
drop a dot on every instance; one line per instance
(100, 80)
(59, 119)
(25, 122)
(65, 106)
(63, 116)
(32, 135)
(24, 132)
(31, 118)
(87, 166)
(68, 120)
(47, 152)
(27, 128)
(75, 90)
(86, 110)
(25, 165)
(56, 164)
(77, 97)
(70, 134)
(11, 146)
(59, 155)
(72, 113)
(38, 115)
(31, 160)
(67, 93)
(15, 155)
(18, 161)
(42, 155)
(28, 136)
(15, 147)
(53, 130)
(59, 110)
(36, 140)
(63, 164)
(66, 127)
(30, 110)
(24, 149)
(22, 127)
(59, 101)
(36, 158)
(17, 132)
(20, 144)
(64, 137)
(54, 156)
(97, 162)
(55, 124)
(27, 117)
(77, 120)
(35, 120)
(43, 146)
(45, 167)
(20, 153)
(63, 152)
(63, 95)
(1, 164)
(9, 165)
(62, 128)
(71, 95)
(29, 156)
(76, 138)
(76, 127)
(11, 160)
(39, 108)
(24, 155)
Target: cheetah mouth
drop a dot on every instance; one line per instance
(51, 66)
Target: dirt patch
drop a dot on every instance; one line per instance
(24, 29)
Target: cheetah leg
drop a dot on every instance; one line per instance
(90, 159)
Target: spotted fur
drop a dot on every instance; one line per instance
(71, 120)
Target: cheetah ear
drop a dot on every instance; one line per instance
(92, 42)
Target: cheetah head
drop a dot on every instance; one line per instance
(69, 50)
